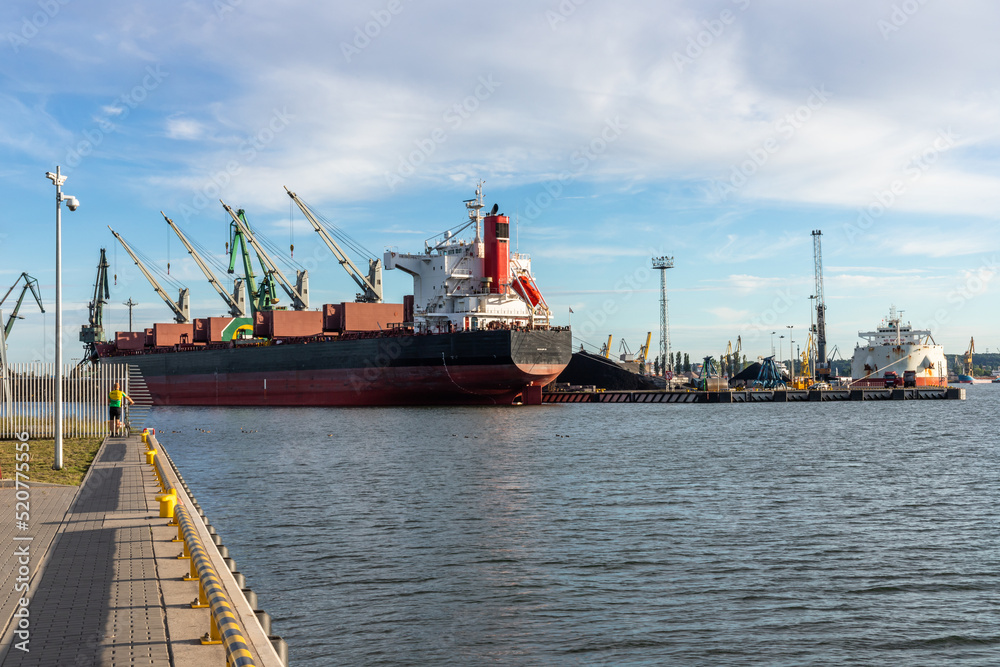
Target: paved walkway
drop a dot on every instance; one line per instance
(106, 583)
(95, 598)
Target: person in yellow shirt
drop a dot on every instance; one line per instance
(115, 397)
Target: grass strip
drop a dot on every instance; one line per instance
(78, 454)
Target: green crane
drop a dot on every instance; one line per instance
(264, 297)
(93, 331)
(29, 283)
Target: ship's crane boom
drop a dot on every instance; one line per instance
(235, 301)
(298, 293)
(371, 285)
(29, 284)
(181, 309)
(93, 331)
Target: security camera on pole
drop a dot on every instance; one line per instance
(73, 203)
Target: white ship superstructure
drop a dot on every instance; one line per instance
(467, 285)
(897, 347)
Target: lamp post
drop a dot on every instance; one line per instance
(58, 179)
(780, 338)
(791, 356)
(772, 342)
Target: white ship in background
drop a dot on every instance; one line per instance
(897, 348)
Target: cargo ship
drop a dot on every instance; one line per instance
(896, 350)
(476, 331)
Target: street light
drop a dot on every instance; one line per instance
(772, 342)
(791, 357)
(72, 203)
(780, 338)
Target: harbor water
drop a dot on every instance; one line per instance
(779, 534)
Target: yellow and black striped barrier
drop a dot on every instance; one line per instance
(223, 625)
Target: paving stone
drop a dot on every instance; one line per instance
(97, 601)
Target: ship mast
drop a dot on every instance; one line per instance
(475, 207)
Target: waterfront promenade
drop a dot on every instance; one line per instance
(106, 583)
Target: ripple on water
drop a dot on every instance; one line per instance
(821, 534)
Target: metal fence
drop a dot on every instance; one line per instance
(27, 393)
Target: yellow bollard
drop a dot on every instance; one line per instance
(145, 436)
(167, 503)
(150, 456)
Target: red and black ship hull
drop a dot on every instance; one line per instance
(468, 368)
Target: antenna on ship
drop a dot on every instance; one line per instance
(475, 206)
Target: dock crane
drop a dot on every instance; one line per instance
(643, 354)
(733, 356)
(298, 293)
(819, 331)
(93, 331)
(371, 285)
(262, 297)
(29, 284)
(709, 371)
(968, 357)
(182, 308)
(606, 348)
(236, 301)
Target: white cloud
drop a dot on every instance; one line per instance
(184, 128)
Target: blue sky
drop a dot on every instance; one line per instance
(721, 133)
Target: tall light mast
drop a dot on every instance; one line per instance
(662, 264)
(822, 367)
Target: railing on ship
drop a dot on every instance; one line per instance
(28, 389)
